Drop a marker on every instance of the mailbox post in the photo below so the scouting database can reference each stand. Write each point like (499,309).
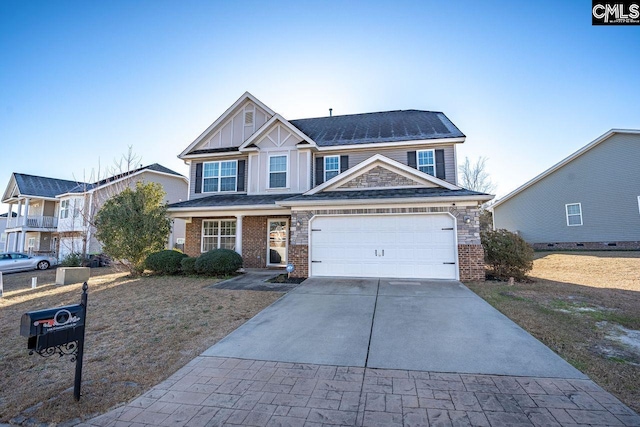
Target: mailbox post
(58,330)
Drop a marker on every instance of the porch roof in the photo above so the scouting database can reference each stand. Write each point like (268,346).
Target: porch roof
(230,200)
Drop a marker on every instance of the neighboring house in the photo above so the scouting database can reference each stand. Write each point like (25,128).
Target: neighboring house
(3,225)
(356,195)
(54,215)
(590,200)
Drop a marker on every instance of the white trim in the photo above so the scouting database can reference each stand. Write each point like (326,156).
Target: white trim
(403,201)
(219,177)
(218,236)
(455,232)
(324,162)
(223,117)
(287,171)
(371,145)
(563,162)
(394,166)
(267,126)
(231,211)
(433,156)
(566,209)
(286,245)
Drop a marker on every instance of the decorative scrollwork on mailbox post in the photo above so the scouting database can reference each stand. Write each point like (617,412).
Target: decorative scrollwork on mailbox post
(58,331)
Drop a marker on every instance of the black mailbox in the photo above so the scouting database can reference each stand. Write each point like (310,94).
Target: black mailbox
(53,326)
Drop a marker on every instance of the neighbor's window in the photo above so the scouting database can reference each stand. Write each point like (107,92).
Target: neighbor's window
(64,208)
(3,237)
(218,234)
(219,176)
(574,214)
(277,171)
(31,243)
(331,167)
(427,162)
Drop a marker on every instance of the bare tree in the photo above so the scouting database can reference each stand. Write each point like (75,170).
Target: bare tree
(475,177)
(93,191)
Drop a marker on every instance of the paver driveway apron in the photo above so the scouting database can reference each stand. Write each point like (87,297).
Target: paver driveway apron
(395,324)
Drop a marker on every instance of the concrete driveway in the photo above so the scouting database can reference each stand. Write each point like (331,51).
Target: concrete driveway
(421,325)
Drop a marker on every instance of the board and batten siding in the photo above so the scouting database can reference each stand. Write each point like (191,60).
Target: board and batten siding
(605,181)
(236,130)
(400,155)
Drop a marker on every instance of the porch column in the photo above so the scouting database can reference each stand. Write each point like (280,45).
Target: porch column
(21,235)
(239,234)
(18,218)
(26,210)
(10,215)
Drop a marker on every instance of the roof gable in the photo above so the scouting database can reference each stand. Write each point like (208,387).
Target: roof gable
(199,144)
(268,127)
(37,186)
(564,162)
(378,172)
(388,126)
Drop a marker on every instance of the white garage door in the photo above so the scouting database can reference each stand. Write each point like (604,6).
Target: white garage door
(403,246)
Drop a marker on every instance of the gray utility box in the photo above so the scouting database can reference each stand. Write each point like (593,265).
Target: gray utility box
(71,275)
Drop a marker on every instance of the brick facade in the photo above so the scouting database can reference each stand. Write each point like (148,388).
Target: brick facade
(379,177)
(193,236)
(471,262)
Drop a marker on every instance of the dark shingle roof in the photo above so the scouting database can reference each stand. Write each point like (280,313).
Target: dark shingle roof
(388,126)
(82,187)
(231,200)
(41,186)
(215,150)
(396,193)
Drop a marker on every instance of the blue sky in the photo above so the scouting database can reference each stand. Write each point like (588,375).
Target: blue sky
(527,82)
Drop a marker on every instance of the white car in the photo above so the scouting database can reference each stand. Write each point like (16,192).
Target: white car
(15,261)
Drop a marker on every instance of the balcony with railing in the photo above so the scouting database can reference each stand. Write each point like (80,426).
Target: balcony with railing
(33,222)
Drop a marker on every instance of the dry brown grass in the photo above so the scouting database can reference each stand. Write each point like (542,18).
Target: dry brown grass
(139,331)
(573,301)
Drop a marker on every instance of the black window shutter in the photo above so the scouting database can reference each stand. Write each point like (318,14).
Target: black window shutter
(344,163)
(240,178)
(440,172)
(411,159)
(198,177)
(319,170)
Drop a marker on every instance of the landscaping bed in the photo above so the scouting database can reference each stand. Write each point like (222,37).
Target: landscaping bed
(139,332)
(586,307)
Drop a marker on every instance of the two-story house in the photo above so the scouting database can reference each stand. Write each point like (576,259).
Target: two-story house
(364,195)
(49,215)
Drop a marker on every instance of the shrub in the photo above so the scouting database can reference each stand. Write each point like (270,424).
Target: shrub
(188,265)
(165,262)
(507,254)
(74,259)
(218,262)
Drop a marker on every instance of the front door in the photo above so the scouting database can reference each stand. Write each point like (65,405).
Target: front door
(278,235)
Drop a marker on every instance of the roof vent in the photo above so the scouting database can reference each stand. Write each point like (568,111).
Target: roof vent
(248,117)
(330,112)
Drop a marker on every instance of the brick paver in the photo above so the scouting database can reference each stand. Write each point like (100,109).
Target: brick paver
(215,391)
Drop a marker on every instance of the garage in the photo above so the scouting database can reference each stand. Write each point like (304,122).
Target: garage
(400,246)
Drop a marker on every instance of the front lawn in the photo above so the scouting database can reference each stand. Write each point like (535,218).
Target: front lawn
(586,307)
(139,331)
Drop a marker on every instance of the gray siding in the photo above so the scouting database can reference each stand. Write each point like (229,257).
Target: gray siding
(399,155)
(605,180)
(192,175)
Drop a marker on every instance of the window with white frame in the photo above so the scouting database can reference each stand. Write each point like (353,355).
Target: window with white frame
(426,160)
(31,244)
(218,234)
(574,214)
(3,237)
(278,172)
(331,167)
(65,205)
(219,176)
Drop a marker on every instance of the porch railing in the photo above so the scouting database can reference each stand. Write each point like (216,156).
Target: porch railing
(33,222)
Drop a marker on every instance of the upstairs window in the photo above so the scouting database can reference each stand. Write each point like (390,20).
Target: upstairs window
(65,205)
(278,172)
(426,162)
(574,214)
(331,167)
(219,176)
